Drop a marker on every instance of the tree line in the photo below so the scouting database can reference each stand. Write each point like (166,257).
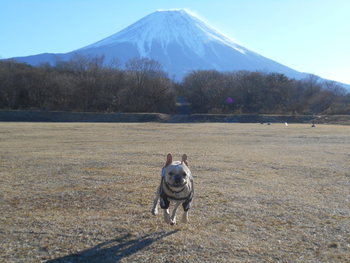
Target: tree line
(87,84)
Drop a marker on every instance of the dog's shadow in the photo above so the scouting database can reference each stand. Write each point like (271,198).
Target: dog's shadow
(114,250)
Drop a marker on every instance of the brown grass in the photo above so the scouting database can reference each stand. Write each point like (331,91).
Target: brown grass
(83,193)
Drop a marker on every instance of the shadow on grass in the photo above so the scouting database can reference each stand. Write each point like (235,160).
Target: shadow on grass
(114,250)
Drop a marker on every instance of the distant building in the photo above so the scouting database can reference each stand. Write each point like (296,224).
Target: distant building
(182,105)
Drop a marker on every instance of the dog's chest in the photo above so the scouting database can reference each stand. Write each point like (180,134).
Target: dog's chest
(177,195)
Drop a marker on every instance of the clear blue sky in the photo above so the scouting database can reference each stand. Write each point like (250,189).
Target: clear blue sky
(307,35)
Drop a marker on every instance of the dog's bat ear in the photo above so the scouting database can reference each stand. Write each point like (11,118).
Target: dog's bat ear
(169,160)
(184,159)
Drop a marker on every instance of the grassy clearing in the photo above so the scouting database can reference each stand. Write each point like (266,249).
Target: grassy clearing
(83,193)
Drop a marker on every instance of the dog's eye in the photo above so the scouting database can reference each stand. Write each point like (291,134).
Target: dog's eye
(184,174)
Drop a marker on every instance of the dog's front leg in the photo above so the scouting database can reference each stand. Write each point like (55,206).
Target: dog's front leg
(173,216)
(167,218)
(155,203)
(185,217)
(155,206)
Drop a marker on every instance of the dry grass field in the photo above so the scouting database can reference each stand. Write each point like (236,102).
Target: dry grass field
(82,192)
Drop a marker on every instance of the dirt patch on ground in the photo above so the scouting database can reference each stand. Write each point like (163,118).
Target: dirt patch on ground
(82,192)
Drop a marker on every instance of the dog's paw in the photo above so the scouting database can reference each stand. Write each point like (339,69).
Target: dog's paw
(154,212)
(167,219)
(173,222)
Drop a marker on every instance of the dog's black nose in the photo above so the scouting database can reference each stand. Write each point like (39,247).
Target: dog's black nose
(177,178)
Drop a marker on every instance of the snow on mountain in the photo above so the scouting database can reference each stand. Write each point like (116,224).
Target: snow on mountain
(168,27)
(180,41)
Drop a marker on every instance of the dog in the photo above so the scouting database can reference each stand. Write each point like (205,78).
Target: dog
(176,186)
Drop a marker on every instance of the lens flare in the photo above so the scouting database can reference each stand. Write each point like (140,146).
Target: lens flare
(229,100)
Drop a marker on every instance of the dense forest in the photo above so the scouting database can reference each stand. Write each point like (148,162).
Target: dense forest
(87,84)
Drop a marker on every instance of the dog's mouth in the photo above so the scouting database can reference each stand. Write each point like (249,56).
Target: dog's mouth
(178,185)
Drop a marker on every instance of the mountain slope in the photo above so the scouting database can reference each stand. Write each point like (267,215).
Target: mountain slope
(180,42)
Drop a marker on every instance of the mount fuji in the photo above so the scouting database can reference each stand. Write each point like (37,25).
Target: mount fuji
(179,41)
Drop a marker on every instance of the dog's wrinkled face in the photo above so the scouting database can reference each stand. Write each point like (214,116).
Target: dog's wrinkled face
(177,174)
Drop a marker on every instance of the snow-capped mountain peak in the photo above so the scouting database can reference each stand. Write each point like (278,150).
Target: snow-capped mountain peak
(167,27)
(180,41)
